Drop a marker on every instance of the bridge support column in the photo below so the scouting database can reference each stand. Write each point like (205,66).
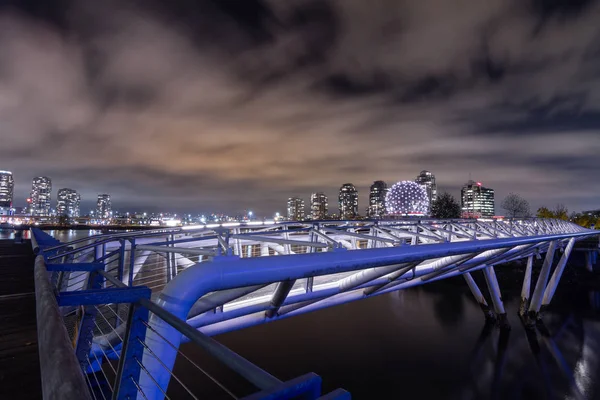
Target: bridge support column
(492,284)
(588,261)
(540,286)
(526,290)
(551,288)
(489,315)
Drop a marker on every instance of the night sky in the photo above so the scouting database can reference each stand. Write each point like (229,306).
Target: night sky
(230,105)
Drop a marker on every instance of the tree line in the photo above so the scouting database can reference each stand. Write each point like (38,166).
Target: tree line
(446,206)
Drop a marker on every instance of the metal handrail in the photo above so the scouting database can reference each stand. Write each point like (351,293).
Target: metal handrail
(61,373)
(232,273)
(148,232)
(388,222)
(255,375)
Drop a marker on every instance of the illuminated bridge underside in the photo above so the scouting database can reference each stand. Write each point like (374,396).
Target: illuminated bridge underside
(261,273)
(227,277)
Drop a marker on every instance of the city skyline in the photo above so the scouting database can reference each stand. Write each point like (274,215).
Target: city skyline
(92,201)
(230,119)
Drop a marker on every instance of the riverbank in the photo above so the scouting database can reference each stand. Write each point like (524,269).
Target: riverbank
(81,227)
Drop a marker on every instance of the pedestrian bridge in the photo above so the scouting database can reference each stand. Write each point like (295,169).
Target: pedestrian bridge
(187,284)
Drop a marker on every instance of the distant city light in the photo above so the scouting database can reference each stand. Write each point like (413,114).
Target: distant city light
(172,222)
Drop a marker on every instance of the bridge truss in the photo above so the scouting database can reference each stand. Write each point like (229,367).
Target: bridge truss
(224,277)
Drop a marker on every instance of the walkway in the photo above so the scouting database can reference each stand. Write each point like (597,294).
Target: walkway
(19,359)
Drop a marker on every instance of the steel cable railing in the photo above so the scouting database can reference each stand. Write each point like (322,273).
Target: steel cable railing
(129,274)
(189,360)
(100,373)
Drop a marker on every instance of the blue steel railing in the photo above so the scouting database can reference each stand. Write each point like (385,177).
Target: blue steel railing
(100,303)
(238,287)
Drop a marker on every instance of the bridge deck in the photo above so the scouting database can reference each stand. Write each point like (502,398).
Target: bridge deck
(19,359)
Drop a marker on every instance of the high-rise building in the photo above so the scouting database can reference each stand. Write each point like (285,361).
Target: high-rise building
(295,209)
(7,186)
(427,180)
(377,194)
(348,201)
(103,206)
(477,201)
(67,203)
(41,191)
(318,206)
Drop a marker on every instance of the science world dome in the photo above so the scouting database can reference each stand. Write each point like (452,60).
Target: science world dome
(407,198)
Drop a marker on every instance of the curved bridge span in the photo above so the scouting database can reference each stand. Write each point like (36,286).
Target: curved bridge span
(219,278)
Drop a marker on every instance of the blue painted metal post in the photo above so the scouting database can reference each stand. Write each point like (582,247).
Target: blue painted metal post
(128,370)
(173,256)
(120,273)
(305,387)
(97,253)
(86,326)
(131,262)
(68,259)
(168,260)
(121,266)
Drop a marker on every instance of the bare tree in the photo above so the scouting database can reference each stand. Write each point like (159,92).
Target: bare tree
(515,206)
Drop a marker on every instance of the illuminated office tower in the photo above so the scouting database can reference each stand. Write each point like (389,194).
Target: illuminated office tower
(41,191)
(67,203)
(348,201)
(103,206)
(295,209)
(7,187)
(427,180)
(377,194)
(318,206)
(477,201)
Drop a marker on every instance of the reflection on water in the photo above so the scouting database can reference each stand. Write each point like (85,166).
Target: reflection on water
(427,342)
(67,235)
(64,235)
(10,234)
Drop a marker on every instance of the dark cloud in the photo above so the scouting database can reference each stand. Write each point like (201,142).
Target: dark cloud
(229,105)
(540,120)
